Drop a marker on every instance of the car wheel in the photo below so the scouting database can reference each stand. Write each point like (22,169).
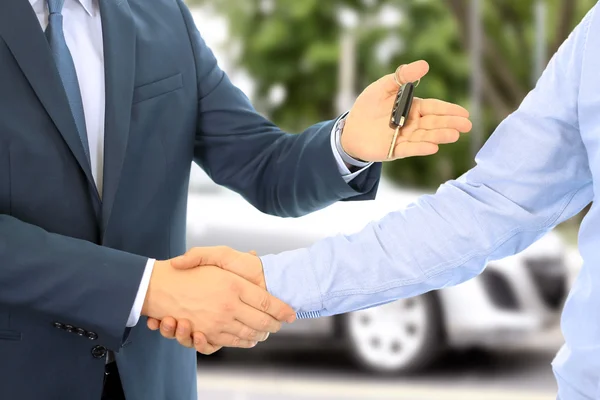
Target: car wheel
(402,337)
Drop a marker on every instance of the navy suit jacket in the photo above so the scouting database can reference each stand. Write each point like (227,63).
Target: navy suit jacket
(71,263)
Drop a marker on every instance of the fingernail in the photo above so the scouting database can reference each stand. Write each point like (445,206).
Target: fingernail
(253,344)
(197,342)
(168,328)
(180,331)
(291,319)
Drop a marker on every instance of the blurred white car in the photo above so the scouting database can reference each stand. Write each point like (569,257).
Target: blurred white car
(513,298)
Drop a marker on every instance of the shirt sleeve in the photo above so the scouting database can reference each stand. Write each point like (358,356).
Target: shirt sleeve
(136,310)
(341,157)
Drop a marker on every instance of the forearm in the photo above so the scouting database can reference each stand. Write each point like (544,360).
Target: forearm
(279,173)
(435,243)
(67,279)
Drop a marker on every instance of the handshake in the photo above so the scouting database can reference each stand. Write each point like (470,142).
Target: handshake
(223,303)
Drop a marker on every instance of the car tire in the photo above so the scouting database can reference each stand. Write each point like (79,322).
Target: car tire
(403,337)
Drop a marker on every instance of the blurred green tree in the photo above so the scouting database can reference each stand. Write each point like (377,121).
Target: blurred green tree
(294,46)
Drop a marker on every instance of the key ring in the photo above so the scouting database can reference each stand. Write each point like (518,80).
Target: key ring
(397,73)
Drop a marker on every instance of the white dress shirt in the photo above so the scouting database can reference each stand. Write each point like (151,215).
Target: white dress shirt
(83,33)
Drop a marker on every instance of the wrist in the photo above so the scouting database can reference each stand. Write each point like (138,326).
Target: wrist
(156,279)
(350,160)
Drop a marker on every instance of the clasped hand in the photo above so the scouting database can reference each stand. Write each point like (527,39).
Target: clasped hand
(222,308)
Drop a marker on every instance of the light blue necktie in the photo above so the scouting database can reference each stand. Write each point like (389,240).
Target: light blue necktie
(66,68)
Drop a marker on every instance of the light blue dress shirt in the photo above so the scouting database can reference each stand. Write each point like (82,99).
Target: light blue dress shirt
(537,170)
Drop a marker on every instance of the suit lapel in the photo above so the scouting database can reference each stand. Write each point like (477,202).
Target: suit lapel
(21,30)
(119,63)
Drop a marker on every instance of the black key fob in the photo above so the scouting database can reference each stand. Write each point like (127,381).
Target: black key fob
(402,105)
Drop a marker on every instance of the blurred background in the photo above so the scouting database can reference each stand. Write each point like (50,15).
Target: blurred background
(304,61)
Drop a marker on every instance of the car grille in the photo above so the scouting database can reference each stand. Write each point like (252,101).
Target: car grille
(550,278)
(499,290)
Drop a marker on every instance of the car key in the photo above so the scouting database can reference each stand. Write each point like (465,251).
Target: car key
(400,112)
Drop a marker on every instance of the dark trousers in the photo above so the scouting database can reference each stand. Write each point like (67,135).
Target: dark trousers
(113,390)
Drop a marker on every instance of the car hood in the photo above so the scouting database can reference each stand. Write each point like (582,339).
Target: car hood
(216,207)
(227,208)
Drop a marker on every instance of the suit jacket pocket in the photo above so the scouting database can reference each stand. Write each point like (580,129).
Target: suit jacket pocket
(10,335)
(157,88)
(6,333)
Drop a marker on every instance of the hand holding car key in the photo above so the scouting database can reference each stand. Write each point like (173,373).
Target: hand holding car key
(419,126)
(428,123)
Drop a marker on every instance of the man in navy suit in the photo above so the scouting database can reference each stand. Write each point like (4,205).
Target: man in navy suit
(104,105)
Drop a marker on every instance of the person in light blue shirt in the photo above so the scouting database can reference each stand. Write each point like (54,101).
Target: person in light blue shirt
(539,168)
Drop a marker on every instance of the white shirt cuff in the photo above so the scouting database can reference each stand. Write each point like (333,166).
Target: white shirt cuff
(138,304)
(337,149)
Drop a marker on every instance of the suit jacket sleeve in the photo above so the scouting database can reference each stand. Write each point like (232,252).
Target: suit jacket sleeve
(279,173)
(68,280)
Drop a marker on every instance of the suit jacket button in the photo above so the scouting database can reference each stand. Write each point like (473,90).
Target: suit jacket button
(69,328)
(80,332)
(99,351)
(58,325)
(92,335)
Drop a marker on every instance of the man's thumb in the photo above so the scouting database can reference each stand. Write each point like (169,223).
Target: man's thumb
(200,256)
(405,73)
